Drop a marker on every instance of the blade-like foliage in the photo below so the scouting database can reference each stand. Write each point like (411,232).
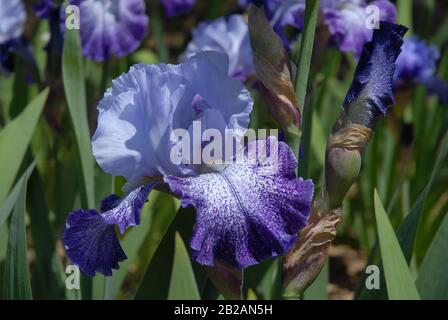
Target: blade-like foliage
(182,284)
(399,281)
(16,277)
(75,92)
(14,141)
(432,280)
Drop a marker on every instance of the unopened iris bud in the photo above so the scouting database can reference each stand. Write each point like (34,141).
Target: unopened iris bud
(368,98)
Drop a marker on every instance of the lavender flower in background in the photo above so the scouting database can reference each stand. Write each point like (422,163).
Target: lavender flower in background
(417,64)
(228,35)
(12,24)
(246,212)
(12,20)
(346,20)
(177,7)
(111,28)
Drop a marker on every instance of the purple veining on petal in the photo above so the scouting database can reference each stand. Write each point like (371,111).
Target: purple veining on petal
(90,238)
(250,211)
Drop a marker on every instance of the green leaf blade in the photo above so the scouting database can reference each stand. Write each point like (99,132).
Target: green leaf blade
(16,275)
(183,284)
(14,141)
(399,281)
(432,280)
(75,92)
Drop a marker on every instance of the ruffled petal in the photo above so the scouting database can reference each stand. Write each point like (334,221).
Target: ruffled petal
(90,238)
(250,211)
(205,75)
(139,113)
(347,27)
(371,93)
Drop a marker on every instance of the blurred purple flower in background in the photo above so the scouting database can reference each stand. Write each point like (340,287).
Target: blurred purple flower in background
(111,28)
(228,35)
(12,24)
(346,20)
(246,212)
(12,20)
(417,64)
(177,7)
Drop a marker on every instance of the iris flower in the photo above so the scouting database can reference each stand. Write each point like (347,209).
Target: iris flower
(247,211)
(177,7)
(228,35)
(346,19)
(111,28)
(417,65)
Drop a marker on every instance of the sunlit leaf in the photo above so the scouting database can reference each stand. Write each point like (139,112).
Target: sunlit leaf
(14,141)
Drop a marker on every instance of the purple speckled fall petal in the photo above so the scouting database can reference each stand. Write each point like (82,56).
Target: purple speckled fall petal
(90,238)
(250,211)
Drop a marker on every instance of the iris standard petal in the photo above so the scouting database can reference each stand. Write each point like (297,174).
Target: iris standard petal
(228,35)
(139,113)
(12,19)
(90,238)
(111,27)
(371,93)
(250,211)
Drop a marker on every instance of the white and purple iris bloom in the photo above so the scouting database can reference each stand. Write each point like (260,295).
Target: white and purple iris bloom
(247,211)
(229,35)
(111,28)
(346,19)
(177,7)
(417,65)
